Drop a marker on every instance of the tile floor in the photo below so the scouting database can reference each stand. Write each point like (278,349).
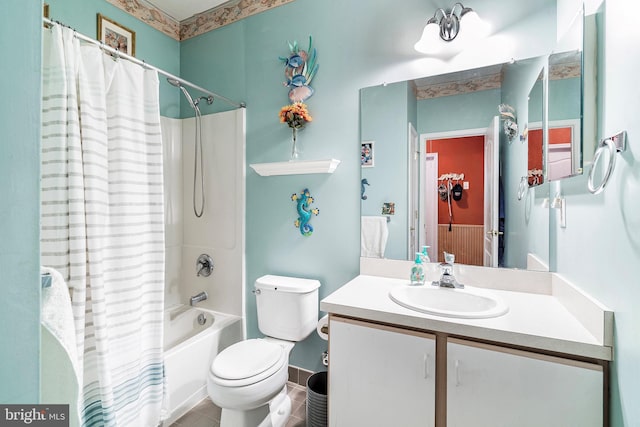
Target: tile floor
(206,414)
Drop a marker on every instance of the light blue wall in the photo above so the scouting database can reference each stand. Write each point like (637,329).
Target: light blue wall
(449,113)
(564,100)
(20,194)
(218,64)
(384,120)
(600,248)
(152,46)
(563,96)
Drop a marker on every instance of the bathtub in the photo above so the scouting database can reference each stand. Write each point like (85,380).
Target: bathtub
(189,349)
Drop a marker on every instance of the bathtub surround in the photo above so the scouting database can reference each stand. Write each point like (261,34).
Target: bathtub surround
(173,219)
(220,232)
(102,222)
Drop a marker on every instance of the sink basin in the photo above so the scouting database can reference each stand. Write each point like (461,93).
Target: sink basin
(467,303)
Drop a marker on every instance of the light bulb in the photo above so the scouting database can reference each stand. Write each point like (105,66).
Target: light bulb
(430,41)
(473,26)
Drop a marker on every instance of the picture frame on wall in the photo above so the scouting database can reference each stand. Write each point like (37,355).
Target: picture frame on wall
(116,36)
(366,154)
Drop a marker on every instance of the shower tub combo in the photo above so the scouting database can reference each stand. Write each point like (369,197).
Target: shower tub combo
(192,338)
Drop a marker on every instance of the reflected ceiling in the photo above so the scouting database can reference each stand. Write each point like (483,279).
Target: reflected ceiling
(183,9)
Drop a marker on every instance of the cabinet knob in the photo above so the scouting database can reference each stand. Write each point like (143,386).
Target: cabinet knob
(425,365)
(457,373)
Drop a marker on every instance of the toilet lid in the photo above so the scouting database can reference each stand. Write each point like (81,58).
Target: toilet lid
(246,359)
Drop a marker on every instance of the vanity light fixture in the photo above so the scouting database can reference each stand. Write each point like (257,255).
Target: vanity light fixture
(446,26)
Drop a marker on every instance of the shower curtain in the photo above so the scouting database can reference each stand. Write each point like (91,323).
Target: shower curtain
(102,223)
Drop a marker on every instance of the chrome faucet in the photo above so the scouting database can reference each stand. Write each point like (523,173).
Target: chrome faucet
(447,280)
(204,265)
(197,298)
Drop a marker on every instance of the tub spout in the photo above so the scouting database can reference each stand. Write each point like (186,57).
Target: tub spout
(197,298)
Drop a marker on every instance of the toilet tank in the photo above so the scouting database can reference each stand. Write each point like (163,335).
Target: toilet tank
(287,307)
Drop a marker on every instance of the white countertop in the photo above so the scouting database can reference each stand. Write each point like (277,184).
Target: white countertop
(534,320)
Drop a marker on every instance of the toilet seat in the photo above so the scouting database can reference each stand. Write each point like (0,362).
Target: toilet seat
(247,362)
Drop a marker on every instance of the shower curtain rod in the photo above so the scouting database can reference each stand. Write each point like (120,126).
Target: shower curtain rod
(122,55)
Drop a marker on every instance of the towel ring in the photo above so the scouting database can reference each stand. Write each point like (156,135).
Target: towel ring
(615,144)
(611,146)
(522,187)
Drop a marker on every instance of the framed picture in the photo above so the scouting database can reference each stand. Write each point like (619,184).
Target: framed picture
(116,36)
(366,154)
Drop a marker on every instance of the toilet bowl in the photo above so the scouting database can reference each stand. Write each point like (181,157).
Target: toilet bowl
(248,379)
(248,374)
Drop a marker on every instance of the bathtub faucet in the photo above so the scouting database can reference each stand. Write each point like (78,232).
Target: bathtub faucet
(197,298)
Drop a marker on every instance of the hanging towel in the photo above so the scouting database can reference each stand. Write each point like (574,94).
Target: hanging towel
(373,236)
(57,314)
(60,379)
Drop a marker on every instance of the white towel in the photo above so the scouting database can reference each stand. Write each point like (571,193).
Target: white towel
(60,380)
(57,315)
(373,236)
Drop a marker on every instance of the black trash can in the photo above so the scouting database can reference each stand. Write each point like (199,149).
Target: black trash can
(317,400)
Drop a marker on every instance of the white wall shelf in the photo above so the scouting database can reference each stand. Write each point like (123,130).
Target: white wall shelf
(295,167)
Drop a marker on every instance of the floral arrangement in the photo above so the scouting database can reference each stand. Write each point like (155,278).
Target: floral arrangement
(295,115)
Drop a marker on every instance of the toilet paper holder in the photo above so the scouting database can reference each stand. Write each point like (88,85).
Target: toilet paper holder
(322,328)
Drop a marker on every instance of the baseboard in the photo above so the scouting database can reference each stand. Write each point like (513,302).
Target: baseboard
(299,376)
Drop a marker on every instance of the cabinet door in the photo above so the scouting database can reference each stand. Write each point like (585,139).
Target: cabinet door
(380,376)
(495,387)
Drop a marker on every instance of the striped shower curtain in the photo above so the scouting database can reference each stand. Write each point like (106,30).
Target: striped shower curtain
(102,223)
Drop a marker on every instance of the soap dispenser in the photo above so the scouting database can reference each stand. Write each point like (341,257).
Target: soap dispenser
(424,255)
(417,271)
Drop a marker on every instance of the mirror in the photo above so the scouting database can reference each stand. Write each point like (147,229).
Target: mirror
(397,122)
(453,113)
(564,145)
(534,134)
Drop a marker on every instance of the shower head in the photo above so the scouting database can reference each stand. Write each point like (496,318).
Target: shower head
(173,82)
(177,84)
(193,104)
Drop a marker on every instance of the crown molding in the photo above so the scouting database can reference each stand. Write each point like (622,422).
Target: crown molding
(225,14)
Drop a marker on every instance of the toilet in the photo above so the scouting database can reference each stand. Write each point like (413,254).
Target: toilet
(248,379)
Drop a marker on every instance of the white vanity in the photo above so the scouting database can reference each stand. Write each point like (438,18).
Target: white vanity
(542,363)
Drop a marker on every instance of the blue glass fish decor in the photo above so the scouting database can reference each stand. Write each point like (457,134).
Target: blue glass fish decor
(304,213)
(300,68)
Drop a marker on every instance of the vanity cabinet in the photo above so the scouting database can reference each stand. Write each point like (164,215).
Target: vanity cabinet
(489,385)
(380,375)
